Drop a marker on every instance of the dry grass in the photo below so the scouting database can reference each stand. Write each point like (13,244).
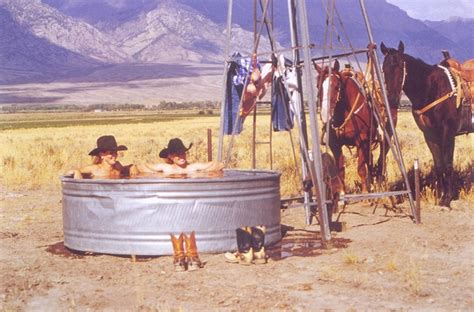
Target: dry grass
(350,258)
(35,158)
(391,266)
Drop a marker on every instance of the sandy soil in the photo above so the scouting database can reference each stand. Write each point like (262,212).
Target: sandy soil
(380,262)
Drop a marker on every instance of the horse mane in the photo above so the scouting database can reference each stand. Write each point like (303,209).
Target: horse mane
(420,65)
(425,83)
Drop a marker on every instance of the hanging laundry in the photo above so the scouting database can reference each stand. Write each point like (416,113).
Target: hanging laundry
(243,72)
(282,110)
(237,73)
(252,87)
(282,115)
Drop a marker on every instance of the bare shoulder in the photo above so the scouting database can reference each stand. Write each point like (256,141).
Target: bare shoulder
(207,166)
(88,169)
(159,167)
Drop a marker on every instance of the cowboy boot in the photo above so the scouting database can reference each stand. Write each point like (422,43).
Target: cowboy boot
(179,260)
(244,254)
(192,256)
(258,242)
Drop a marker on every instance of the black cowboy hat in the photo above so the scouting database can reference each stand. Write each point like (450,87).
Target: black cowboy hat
(107,143)
(174,146)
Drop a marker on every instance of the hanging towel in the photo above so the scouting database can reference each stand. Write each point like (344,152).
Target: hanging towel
(282,114)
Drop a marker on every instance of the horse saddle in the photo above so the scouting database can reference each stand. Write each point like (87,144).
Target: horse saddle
(464,75)
(466,69)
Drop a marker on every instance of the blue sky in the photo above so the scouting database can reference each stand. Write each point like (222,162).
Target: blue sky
(436,10)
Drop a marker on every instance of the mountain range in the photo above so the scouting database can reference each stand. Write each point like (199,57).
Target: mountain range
(50,40)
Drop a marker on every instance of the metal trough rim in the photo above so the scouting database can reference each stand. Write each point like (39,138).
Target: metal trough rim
(269,174)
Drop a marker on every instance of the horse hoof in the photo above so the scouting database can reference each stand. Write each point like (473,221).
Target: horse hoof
(445,202)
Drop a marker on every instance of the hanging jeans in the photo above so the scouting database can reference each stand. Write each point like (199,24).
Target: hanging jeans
(232,101)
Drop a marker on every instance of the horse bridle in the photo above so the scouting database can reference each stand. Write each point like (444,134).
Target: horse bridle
(354,109)
(404,75)
(338,77)
(338,94)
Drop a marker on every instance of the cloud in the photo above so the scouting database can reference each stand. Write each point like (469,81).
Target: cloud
(436,10)
(117,3)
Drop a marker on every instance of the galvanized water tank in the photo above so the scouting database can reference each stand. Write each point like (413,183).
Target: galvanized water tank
(136,216)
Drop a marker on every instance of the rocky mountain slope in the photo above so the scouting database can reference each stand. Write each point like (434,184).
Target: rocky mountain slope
(26,57)
(49,23)
(458,30)
(174,32)
(51,37)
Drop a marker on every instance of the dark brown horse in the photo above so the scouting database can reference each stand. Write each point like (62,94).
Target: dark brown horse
(350,118)
(431,92)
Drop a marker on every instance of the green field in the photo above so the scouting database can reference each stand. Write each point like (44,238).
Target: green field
(67,119)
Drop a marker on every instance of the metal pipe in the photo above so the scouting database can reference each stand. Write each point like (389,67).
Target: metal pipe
(417,191)
(271,145)
(209,145)
(224,84)
(330,57)
(259,34)
(254,121)
(339,55)
(254,138)
(378,71)
(239,117)
(266,22)
(300,115)
(316,148)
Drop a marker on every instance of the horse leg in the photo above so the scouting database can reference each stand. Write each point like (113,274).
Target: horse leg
(363,151)
(436,152)
(448,148)
(339,158)
(381,162)
(385,148)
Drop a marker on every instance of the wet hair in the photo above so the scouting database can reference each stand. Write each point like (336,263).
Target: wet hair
(96,160)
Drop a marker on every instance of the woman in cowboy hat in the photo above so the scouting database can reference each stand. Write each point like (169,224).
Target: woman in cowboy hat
(176,162)
(104,162)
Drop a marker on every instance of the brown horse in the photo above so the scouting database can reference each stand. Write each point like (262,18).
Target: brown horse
(431,92)
(350,118)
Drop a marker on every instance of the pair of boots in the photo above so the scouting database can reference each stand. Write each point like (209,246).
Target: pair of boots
(185,260)
(250,243)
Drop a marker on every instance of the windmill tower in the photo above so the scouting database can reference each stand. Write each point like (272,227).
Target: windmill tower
(309,143)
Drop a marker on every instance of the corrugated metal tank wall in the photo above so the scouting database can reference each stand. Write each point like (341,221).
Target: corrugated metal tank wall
(136,216)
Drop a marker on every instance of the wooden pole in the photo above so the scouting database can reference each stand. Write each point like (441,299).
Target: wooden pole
(209,144)
(417,193)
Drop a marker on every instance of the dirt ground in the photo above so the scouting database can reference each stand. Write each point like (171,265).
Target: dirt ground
(380,262)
